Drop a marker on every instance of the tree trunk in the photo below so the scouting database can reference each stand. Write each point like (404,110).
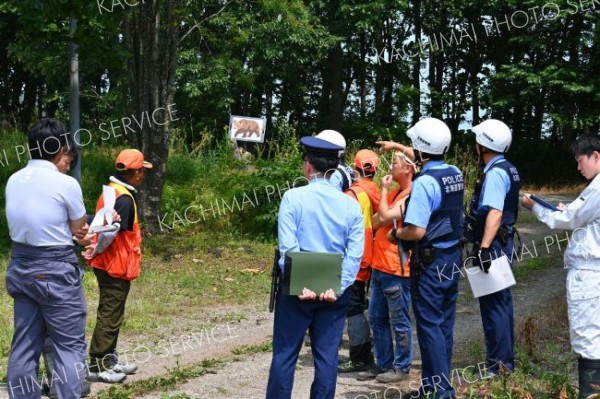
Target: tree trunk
(30,96)
(416,68)
(74,109)
(538,117)
(152,37)
(362,76)
(336,104)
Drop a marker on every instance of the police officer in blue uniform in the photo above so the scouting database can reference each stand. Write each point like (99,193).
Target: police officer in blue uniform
(315,218)
(490,227)
(432,226)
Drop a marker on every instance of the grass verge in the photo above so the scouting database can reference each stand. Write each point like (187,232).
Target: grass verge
(173,377)
(545,367)
(179,375)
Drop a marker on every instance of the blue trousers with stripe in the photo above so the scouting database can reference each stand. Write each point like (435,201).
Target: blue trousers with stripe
(435,308)
(498,320)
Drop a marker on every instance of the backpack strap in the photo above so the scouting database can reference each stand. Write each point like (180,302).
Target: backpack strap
(353,193)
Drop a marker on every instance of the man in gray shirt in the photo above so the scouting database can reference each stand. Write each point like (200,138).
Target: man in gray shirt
(44,208)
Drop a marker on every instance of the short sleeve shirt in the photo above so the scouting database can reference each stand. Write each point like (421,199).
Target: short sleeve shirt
(40,202)
(495,186)
(425,197)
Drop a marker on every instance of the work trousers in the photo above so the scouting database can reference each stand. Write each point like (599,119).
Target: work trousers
(110,315)
(389,311)
(45,283)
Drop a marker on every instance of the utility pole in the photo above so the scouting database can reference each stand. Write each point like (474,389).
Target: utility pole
(74,111)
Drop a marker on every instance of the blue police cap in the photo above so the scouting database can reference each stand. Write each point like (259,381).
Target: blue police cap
(318,145)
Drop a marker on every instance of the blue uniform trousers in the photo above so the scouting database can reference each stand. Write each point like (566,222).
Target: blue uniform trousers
(435,308)
(325,322)
(498,319)
(389,306)
(48,300)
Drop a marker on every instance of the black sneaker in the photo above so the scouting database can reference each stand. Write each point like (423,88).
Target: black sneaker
(369,374)
(351,367)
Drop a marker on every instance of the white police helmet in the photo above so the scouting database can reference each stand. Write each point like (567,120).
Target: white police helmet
(334,138)
(493,134)
(430,135)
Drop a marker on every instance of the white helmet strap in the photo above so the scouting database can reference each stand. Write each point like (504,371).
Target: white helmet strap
(419,158)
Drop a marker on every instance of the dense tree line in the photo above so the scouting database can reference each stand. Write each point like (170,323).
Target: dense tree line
(367,68)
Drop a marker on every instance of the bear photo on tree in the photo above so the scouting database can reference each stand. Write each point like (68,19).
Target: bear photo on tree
(247,129)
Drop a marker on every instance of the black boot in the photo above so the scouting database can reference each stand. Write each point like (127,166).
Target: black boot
(589,374)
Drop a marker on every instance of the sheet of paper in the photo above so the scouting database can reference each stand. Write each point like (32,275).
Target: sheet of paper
(98,220)
(105,214)
(110,196)
(500,276)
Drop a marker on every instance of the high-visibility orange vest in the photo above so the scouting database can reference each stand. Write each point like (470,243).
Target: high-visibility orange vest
(123,257)
(358,192)
(372,190)
(385,254)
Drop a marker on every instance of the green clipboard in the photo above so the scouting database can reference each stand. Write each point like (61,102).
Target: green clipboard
(317,271)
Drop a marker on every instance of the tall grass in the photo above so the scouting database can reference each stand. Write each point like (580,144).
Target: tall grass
(227,196)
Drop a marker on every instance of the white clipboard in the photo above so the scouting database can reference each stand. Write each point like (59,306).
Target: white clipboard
(499,277)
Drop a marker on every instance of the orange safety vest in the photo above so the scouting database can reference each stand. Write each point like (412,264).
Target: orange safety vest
(123,257)
(372,190)
(363,196)
(385,254)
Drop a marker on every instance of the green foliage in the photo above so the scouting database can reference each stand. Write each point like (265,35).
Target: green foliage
(275,59)
(526,266)
(546,379)
(253,349)
(160,383)
(37,40)
(464,157)
(228,195)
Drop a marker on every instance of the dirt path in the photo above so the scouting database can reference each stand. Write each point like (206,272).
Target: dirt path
(246,376)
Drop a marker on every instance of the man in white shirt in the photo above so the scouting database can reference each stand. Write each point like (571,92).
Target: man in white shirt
(44,208)
(582,258)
